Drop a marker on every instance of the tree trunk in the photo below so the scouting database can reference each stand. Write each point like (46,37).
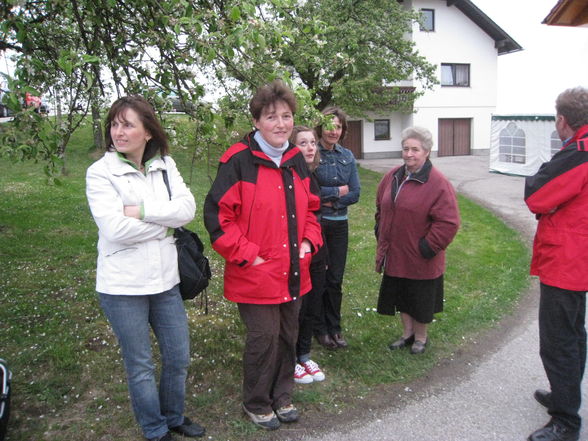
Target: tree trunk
(97,126)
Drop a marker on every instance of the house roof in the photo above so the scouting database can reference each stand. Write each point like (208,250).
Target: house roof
(503,42)
(568,13)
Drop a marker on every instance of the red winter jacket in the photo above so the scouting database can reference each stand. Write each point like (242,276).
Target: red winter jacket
(414,229)
(558,194)
(255,208)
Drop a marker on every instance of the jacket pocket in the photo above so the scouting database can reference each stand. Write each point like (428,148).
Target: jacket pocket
(264,281)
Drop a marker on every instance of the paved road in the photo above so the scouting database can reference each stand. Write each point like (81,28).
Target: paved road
(491,398)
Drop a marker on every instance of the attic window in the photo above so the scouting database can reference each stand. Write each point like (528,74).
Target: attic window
(456,75)
(427,20)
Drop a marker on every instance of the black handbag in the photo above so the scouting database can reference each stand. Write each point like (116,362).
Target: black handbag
(5,380)
(193,265)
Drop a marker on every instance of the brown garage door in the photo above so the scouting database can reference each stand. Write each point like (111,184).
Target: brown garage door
(455,136)
(353,138)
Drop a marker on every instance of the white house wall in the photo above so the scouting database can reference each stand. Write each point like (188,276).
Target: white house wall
(456,39)
(380,149)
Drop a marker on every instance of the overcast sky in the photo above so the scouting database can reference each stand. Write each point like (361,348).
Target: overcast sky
(553,57)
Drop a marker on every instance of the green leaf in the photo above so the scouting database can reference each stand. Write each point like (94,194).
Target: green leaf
(92,59)
(235,14)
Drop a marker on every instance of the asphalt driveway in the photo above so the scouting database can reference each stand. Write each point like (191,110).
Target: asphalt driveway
(486,392)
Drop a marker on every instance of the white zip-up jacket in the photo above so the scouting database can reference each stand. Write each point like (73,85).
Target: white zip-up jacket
(137,257)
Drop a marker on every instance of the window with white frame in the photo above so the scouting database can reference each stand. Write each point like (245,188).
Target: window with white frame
(512,145)
(455,74)
(427,20)
(381,129)
(555,143)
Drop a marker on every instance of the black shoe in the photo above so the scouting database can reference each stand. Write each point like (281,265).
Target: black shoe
(401,343)
(339,340)
(555,431)
(418,347)
(543,397)
(326,341)
(166,437)
(188,428)
(287,414)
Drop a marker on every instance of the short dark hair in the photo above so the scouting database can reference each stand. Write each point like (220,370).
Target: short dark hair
(339,113)
(146,113)
(572,104)
(270,94)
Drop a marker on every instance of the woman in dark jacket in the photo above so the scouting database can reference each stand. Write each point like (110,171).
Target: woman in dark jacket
(260,214)
(339,181)
(308,371)
(416,219)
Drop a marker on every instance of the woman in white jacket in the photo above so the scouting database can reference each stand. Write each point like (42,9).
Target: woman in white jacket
(137,274)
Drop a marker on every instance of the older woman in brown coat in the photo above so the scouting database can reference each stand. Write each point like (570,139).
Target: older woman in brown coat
(416,219)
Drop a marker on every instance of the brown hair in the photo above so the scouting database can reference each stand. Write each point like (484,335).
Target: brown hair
(270,94)
(158,141)
(317,156)
(339,113)
(572,104)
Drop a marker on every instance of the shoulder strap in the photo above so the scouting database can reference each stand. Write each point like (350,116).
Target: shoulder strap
(166,180)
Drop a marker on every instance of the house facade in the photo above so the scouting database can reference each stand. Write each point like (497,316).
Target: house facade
(464,44)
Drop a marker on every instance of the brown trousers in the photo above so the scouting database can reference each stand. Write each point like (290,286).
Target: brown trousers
(270,355)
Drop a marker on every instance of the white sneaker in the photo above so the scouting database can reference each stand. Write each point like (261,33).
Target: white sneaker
(301,375)
(313,370)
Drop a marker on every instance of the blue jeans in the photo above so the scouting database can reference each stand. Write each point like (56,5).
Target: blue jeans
(131,316)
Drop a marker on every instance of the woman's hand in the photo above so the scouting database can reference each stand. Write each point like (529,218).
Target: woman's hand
(343,190)
(305,248)
(132,211)
(258,260)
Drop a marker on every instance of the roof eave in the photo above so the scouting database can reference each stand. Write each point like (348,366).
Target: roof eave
(504,43)
(568,13)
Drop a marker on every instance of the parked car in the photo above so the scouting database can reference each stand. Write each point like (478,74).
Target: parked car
(177,105)
(4,111)
(36,102)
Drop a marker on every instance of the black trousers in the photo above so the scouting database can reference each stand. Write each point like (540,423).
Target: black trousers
(311,309)
(270,355)
(562,341)
(336,235)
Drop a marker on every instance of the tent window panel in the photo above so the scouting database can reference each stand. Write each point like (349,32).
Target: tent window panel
(555,143)
(512,146)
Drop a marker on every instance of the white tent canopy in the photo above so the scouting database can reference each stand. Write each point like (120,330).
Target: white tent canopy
(519,144)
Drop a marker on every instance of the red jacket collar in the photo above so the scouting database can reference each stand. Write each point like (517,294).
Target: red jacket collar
(581,133)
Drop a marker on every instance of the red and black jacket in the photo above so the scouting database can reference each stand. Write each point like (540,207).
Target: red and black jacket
(558,194)
(255,208)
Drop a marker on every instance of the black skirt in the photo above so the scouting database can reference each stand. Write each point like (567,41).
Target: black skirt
(418,298)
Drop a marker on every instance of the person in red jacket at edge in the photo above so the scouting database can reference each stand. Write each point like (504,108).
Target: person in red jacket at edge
(558,195)
(262,219)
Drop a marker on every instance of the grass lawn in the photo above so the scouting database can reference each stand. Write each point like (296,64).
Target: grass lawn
(69,382)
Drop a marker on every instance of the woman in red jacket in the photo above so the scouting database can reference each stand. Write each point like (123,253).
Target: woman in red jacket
(416,219)
(260,214)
